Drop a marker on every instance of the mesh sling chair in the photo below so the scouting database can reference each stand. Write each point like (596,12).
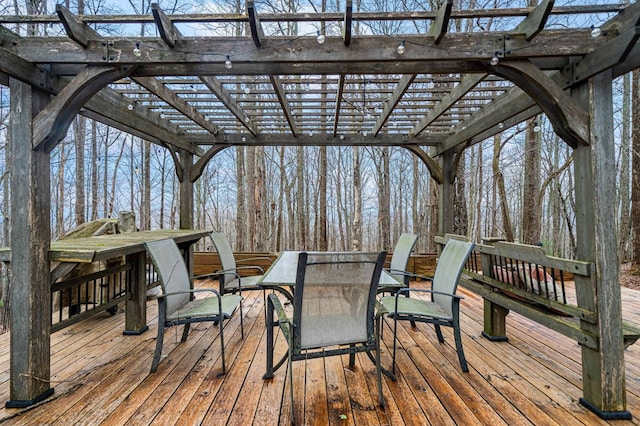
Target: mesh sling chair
(230,279)
(444,307)
(400,259)
(334,307)
(176,304)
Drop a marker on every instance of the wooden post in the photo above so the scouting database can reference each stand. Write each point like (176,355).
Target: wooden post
(603,370)
(495,316)
(30,239)
(136,306)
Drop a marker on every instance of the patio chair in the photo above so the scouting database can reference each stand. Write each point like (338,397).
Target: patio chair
(444,307)
(399,260)
(334,311)
(230,279)
(177,305)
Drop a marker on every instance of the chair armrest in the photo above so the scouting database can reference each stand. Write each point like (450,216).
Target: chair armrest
(424,290)
(195,290)
(250,267)
(218,273)
(407,274)
(279,309)
(381,310)
(251,259)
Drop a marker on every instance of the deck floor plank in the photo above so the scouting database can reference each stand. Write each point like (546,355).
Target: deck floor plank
(102,377)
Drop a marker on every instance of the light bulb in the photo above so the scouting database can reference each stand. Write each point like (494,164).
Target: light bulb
(341,137)
(401,48)
(136,50)
(494,60)
(365,133)
(244,139)
(595,32)
(500,125)
(130,107)
(247,90)
(536,128)
(320,39)
(227,64)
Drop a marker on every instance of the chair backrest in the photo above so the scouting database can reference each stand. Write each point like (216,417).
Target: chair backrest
(334,300)
(227,260)
(448,271)
(400,257)
(172,271)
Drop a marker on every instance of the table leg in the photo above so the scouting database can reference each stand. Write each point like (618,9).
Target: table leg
(136,304)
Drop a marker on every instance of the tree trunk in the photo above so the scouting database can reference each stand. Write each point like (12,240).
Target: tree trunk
(624,185)
(460,216)
(356,243)
(322,244)
(94,170)
(80,136)
(384,199)
(531,203)
(301,220)
(251,204)
(259,200)
(241,207)
(635,178)
(502,193)
(145,222)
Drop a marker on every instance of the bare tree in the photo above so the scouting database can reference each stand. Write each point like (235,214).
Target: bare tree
(531,203)
(635,178)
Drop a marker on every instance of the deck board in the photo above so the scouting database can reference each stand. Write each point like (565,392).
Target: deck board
(102,377)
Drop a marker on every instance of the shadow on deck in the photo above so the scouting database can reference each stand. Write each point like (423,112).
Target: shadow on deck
(102,377)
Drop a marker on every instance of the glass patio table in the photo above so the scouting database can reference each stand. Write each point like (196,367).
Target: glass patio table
(281,276)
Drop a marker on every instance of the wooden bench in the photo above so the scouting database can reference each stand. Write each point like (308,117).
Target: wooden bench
(523,279)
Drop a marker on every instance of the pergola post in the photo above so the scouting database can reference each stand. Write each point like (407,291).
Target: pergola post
(30,238)
(603,370)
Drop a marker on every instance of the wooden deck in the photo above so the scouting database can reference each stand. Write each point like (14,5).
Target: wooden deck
(102,377)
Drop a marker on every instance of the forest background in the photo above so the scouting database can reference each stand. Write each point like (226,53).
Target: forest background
(517,185)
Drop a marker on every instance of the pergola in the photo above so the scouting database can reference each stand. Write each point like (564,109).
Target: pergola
(434,94)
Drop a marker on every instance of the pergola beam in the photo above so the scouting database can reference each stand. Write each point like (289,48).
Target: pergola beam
(340,91)
(257,32)
(366,54)
(286,109)
(223,96)
(317,139)
(536,20)
(76,29)
(466,84)
(166,28)
(156,87)
(440,25)
(348,22)
(389,105)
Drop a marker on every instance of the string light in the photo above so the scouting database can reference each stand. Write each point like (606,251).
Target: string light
(401,48)
(320,38)
(536,126)
(495,59)
(136,50)
(247,90)
(595,31)
(227,64)
(130,107)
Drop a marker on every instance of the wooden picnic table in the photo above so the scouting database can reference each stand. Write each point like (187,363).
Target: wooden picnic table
(70,253)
